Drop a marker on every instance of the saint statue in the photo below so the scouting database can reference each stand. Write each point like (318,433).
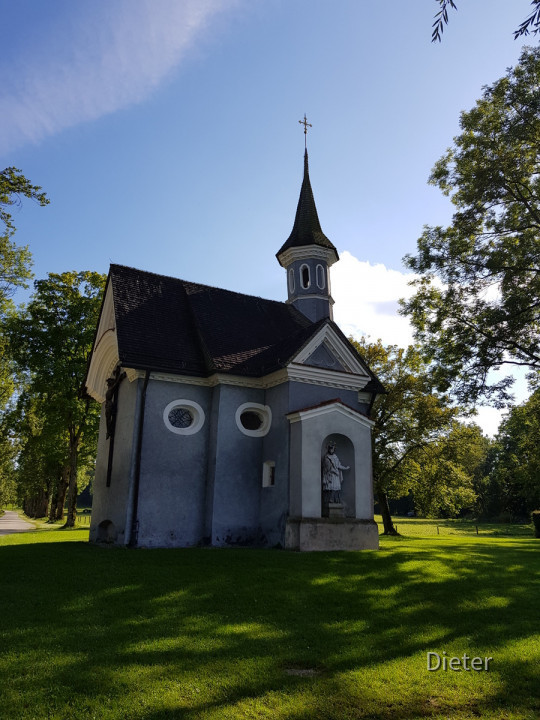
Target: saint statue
(332,475)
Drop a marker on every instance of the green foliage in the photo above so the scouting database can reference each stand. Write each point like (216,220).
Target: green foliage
(409,418)
(516,461)
(535,518)
(14,260)
(50,342)
(476,305)
(448,471)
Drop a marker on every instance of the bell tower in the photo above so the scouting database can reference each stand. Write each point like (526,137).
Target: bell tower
(307,255)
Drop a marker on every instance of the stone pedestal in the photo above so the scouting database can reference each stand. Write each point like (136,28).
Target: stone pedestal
(332,533)
(336,510)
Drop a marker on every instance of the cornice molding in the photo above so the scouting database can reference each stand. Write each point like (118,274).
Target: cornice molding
(307,252)
(336,407)
(326,298)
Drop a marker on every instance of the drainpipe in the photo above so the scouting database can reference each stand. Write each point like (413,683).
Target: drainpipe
(137,469)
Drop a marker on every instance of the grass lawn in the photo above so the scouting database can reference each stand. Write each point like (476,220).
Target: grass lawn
(87,632)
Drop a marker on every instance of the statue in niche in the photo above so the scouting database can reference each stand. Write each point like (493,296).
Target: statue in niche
(332,477)
(111,400)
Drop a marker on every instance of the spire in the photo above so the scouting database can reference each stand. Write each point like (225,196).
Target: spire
(307,228)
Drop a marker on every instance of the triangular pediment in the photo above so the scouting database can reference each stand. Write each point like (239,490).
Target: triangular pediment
(323,357)
(327,350)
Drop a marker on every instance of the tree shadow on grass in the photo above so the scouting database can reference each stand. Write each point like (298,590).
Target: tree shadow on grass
(200,633)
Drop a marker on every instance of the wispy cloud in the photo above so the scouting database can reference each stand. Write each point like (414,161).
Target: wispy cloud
(104,58)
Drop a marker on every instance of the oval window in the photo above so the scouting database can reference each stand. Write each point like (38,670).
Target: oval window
(304,275)
(320,277)
(253,419)
(184,417)
(291,280)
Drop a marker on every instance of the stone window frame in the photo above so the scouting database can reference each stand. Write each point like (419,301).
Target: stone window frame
(196,411)
(263,411)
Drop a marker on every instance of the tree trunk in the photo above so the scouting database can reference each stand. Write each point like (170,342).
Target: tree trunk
(62,493)
(72,490)
(388,525)
(56,511)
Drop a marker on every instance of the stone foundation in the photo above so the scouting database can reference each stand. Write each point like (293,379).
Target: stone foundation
(333,533)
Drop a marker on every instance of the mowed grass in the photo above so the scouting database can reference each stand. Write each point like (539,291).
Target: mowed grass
(88,632)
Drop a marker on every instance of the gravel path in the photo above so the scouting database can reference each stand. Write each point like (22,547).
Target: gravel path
(10,522)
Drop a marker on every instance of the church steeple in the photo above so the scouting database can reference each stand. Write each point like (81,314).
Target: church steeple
(307,228)
(307,255)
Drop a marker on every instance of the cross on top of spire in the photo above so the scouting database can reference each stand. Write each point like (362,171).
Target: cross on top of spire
(305,123)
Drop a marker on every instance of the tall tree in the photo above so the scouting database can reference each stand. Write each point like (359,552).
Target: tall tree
(449,470)
(516,466)
(477,300)
(14,260)
(409,418)
(50,341)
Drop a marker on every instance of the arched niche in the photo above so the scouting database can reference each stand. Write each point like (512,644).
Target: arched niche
(345,453)
(107,532)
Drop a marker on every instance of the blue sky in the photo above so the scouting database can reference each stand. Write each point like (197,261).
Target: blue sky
(166,134)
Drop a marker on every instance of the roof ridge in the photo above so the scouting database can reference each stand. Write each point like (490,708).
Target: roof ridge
(197,284)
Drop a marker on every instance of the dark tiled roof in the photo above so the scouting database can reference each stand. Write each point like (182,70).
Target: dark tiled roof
(170,325)
(182,327)
(307,228)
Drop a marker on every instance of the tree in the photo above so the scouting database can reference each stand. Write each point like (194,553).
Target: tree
(14,260)
(410,417)
(477,299)
(516,467)
(530,24)
(50,342)
(449,471)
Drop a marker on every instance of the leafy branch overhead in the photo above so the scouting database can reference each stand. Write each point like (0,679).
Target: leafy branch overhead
(14,186)
(477,300)
(15,260)
(531,24)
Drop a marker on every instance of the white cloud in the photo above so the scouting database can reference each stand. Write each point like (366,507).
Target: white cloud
(98,63)
(366,303)
(366,300)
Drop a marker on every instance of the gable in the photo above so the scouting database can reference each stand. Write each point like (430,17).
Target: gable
(105,351)
(328,350)
(323,357)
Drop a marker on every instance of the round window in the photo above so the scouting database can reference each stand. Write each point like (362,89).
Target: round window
(180,417)
(184,417)
(253,419)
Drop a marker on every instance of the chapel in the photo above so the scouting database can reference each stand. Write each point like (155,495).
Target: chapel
(228,419)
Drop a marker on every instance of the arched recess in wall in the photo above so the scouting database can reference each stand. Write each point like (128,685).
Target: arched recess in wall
(106,532)
(346,454)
